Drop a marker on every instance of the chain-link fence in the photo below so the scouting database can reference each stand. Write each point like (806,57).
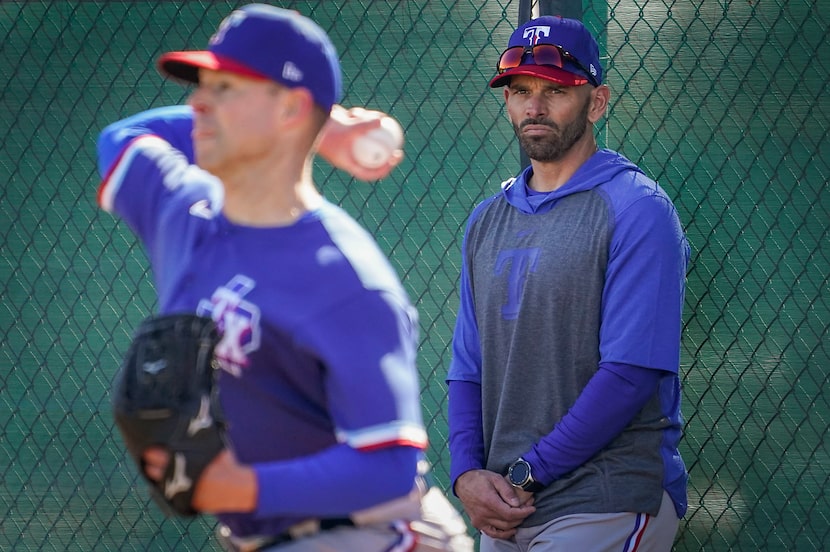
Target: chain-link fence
(724,102)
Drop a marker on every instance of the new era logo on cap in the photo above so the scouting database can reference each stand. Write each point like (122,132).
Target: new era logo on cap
(291,72)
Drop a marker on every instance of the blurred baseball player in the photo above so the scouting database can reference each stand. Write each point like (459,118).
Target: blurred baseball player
(318,338)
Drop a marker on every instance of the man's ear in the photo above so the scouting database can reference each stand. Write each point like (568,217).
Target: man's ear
(600,96)
(296,106)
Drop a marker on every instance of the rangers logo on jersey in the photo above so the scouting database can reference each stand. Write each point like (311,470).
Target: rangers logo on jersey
(237,321)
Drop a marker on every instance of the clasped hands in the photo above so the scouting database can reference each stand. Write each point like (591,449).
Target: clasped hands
(495,507)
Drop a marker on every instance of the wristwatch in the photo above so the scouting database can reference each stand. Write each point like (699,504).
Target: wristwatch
(520,476)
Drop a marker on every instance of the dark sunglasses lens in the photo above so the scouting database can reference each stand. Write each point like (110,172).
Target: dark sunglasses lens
(512,57)
(548,54)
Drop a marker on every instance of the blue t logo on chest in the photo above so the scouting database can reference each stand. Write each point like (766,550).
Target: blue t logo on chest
(517,263)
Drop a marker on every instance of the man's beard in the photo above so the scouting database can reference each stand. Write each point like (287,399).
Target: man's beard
(554,146)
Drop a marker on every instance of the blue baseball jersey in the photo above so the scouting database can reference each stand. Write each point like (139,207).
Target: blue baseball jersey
(318,337)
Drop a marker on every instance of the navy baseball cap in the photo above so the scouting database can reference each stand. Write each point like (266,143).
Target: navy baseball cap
(572,59)
(266,42)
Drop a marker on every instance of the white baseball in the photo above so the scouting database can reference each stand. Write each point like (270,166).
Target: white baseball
(373,149)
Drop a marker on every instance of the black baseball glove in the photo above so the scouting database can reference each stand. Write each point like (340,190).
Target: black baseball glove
(165,395)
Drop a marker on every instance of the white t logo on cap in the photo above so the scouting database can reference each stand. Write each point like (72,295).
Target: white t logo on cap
(534,33)
(233,20)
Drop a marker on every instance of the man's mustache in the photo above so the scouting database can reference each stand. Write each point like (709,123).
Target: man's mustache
(538,121)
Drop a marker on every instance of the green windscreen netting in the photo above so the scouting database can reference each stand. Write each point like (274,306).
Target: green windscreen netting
(725,103)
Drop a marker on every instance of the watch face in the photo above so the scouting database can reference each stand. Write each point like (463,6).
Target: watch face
(519,473)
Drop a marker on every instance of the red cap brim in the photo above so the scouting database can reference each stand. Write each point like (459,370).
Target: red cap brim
(185,65)
(547,72)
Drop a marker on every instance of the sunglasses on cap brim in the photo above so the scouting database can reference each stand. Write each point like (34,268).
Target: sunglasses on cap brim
(543,54)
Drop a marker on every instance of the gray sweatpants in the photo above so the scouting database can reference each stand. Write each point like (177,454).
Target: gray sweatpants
(619,532)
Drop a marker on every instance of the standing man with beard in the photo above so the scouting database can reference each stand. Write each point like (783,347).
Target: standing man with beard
(564,393)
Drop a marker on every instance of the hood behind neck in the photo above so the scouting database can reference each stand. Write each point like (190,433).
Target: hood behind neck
(601,167)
